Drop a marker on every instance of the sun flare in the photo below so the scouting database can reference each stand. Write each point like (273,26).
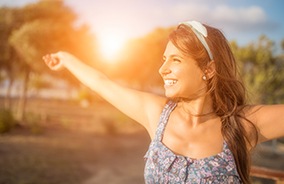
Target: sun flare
(110,45)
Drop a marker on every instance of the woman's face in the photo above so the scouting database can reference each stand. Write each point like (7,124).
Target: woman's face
(181,74)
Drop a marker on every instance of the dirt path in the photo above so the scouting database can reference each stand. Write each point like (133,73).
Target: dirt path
(57,157)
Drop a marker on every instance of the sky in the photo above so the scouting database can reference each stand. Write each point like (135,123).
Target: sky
(241,20)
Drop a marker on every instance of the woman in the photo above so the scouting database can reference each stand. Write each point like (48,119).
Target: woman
(202,131)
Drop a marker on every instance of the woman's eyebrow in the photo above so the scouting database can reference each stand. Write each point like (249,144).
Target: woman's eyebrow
(172,56)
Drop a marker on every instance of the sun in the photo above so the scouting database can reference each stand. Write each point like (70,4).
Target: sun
(111,43)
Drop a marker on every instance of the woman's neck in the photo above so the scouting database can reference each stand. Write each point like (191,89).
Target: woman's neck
(197,110)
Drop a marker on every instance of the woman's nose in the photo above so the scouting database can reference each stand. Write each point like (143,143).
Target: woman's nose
(164,69)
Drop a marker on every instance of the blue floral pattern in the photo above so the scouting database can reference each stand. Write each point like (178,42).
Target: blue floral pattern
(164,166)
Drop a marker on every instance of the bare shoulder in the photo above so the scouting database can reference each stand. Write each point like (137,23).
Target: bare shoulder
(154,109)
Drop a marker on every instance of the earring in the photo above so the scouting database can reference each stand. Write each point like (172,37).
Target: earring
(204,77)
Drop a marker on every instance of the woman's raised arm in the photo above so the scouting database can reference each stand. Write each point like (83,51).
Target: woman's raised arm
(269,119)
(145,108)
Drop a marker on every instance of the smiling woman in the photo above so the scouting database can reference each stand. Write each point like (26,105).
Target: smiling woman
(201,129)
(110,45)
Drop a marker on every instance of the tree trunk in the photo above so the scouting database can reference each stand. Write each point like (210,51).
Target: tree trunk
(23,96)
(8,98)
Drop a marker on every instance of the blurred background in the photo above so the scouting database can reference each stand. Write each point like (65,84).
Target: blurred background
(55,130)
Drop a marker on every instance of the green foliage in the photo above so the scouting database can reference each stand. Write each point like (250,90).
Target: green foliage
(8,57)
(6,121)
(4,34)
(261,70)
(48,10)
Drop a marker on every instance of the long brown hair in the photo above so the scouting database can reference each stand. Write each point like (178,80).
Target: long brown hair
(226,89)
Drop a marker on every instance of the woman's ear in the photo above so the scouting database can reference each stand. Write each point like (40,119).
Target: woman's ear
(210,69)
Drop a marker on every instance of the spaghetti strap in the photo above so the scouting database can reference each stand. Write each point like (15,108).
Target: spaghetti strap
(169,107)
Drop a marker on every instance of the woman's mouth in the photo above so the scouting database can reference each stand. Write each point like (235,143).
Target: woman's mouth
(170,82)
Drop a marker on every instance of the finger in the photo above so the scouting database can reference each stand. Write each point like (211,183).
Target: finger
(47,58)
(54,61)
(44,58)
(50,62)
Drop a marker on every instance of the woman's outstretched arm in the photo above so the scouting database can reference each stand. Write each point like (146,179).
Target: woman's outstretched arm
(269,120)
(145,108)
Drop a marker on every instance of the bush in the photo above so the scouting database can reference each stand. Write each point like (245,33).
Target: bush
(6,120)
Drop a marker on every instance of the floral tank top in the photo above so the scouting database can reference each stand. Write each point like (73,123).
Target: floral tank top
(163,166)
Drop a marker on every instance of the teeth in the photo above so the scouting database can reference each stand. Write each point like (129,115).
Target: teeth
(170,82)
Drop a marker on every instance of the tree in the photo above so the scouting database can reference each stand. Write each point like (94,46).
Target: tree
(8,58)
(261,70)
(45,27)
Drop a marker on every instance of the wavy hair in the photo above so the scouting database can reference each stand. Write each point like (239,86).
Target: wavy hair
(226,90)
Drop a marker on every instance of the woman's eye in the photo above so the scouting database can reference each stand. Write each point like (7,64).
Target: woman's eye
(176,60)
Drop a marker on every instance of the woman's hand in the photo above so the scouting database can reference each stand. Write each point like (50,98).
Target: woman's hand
(53,62)
(56,61)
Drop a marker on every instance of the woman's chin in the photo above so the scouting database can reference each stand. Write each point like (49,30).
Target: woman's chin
(170,95)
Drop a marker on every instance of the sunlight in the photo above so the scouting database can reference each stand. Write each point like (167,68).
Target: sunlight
(111,44)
